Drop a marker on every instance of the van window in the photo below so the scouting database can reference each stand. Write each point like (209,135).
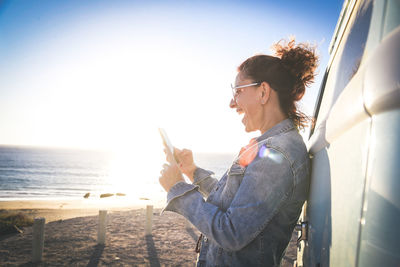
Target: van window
(355,44)
(392,16)
(348,56)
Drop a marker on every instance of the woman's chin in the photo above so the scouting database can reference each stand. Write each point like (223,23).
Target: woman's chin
(247,128)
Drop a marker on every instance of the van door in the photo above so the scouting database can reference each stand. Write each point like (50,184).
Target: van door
(339,147)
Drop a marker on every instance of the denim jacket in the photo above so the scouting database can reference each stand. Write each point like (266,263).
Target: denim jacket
(248,216)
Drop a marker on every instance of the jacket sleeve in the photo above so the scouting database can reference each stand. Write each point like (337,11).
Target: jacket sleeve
(203,183)
(204,180)
(267,184)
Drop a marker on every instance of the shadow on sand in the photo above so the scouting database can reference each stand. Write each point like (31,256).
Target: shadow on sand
(6,236)
(152,252)
(95,258)
(31,264)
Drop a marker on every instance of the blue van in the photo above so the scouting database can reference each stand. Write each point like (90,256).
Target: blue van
(352,216)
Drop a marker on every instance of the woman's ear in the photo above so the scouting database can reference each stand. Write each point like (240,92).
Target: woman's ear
(265,92)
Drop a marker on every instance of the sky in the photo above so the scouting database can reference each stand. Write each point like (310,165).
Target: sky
(107,74)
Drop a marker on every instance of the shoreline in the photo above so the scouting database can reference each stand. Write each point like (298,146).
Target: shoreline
(62,209)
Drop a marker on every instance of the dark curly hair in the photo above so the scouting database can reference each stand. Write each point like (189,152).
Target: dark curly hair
(288,73)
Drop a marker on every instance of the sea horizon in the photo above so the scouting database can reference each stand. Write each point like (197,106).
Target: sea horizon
(51,173)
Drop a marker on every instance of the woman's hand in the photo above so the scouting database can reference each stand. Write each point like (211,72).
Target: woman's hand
(170,175)
(185,162)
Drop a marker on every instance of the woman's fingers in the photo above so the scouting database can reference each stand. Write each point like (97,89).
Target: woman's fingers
(178,154)
(168,155)
(170,175)
(165,167)
(182,154)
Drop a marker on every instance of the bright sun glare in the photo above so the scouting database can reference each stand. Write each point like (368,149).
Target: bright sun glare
(108,78)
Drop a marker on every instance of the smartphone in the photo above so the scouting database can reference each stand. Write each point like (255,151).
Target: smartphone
(167,143)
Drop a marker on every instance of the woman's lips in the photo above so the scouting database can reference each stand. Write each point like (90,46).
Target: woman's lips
(243,117)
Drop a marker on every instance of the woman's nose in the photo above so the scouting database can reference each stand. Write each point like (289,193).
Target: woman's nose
(233,104)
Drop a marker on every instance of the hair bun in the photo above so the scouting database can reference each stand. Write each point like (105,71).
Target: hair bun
(300,60)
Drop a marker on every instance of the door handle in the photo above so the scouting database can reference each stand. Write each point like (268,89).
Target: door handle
(303,229)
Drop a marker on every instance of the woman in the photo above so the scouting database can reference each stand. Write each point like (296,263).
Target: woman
(249,214)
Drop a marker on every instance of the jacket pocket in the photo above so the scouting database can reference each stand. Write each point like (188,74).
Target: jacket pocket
(233,181)
(236,169)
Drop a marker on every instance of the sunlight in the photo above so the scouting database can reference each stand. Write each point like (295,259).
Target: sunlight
(113,99)
(136,166)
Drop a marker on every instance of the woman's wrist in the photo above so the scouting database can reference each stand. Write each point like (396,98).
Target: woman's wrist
(190,173)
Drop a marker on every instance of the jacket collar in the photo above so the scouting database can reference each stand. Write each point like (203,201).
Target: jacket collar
(283,126)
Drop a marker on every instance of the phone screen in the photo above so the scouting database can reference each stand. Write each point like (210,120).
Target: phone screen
(167,143)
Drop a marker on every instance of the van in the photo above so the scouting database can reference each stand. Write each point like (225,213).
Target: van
(352,215)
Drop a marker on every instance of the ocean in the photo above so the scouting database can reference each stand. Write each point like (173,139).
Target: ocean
(28,173)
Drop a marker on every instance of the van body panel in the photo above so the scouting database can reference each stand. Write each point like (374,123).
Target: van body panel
(336,197)
(380,235)
(348,109)
(317,248)
(382,84)
(381,212)
(318,139)
(353,209)
(348,161)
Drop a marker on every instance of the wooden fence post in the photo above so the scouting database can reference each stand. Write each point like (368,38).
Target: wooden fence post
(101,233)
(149,219)
(38,239)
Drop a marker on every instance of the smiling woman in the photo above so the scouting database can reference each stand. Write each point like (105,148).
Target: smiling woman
(282,81)
(248,216)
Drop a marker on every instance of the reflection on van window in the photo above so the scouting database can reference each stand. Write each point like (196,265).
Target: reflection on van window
(392,19)
(354,46)
(347,58)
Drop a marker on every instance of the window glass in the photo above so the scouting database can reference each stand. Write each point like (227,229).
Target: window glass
(392,19)
(355,44)
(348,56)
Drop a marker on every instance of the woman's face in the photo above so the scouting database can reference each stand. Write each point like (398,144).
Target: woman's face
(247,102)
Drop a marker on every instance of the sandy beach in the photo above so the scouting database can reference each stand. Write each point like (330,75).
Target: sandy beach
(59,209)
(71,236)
